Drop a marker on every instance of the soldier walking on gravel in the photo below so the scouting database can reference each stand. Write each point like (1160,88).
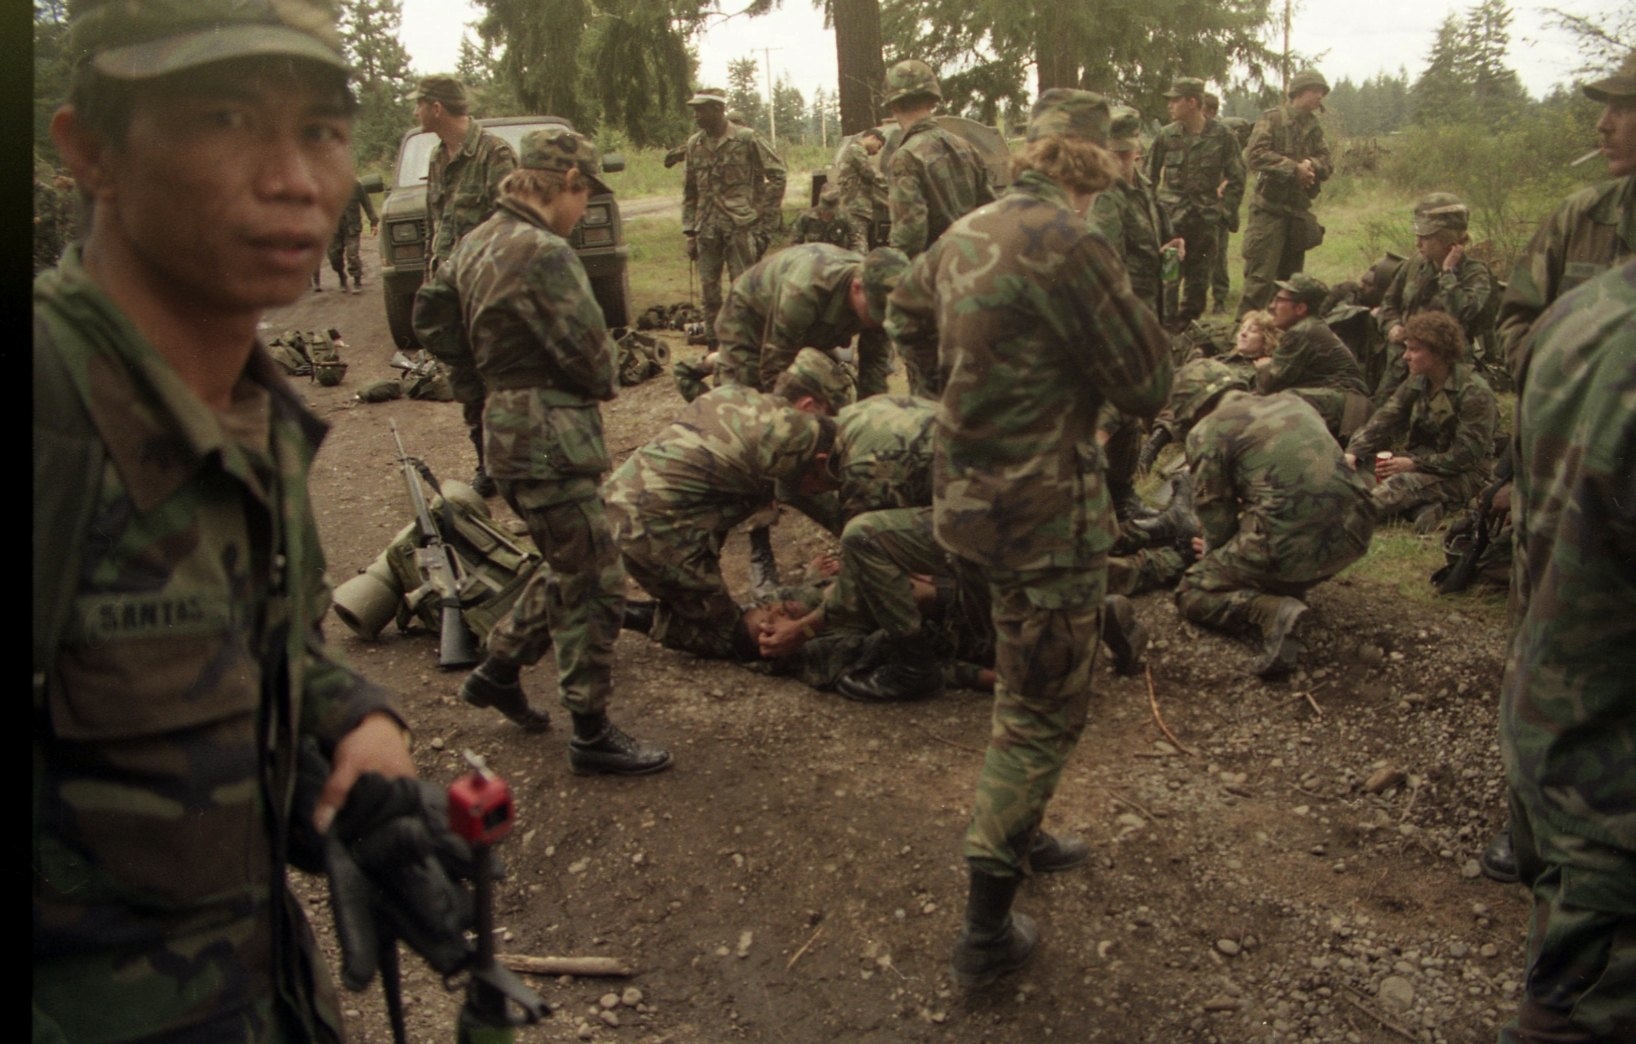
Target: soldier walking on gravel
(732,195)
(934,177)
(346,246)
(1291,160)
(513,302)
(462,189)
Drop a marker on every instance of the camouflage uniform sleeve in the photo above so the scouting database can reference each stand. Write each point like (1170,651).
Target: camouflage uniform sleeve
(1105,218)
(1387,423)
(690,192)
(1214,499)
(907,203)
(1390,312)
(1260,155)
(437,319)
(1476,415)
(1463,292)
(1288,366)
(1233,171)
(369,208)
(1156,159)
(795,310)
(502,160)
(771,195)
(911,324)
(1322,165)
(1131,365)
(1533,286)
(573,329)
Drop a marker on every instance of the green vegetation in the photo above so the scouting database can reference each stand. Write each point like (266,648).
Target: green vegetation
(1399,560)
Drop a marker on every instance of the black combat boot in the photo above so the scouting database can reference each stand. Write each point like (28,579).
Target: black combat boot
(495,684)
(1127,505)
(600,748)
(907,669)
(639,616)
(481,483)
(342,277)
(1177,521)
(995,941)
(1282,647)
(763,565)
(1499,859)
(1149,456)
(1124,635)
(1049,854)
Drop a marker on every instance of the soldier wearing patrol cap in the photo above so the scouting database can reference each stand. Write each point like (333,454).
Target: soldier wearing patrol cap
(1311,360)
(1198,175)
(934,177)
(178,663)
(732,195)
(514,303)
(1290,159)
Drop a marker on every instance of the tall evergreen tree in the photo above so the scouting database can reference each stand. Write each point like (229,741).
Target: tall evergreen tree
(744,94)
(382,80)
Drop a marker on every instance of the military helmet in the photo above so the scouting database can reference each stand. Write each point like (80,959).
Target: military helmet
(1197,385)
(910,78)
(1306,79)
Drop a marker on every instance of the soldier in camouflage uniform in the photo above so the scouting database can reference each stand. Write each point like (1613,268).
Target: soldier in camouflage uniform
(462,189)
(1593,230)
(1029,343)
(1444,413)
(673,502)
(1220,282)
(177,657)
(862,185)
(1567,715)
(345,248)
(1127,214)
(825,223)
(514,302)
(1311,361)
(1198,174)
(809,296)
(934,177)
(1440,277)
(1280,508)
(1291,160)
(732,194)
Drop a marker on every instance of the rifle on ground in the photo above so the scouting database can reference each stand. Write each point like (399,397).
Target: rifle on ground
(457,646)
(1455,578)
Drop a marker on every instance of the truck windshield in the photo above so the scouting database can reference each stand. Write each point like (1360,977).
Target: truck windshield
(417,150)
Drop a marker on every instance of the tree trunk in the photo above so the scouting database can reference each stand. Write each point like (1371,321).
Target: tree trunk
(1054,58)
(858,62)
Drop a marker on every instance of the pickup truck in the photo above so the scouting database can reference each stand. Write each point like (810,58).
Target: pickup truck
(599,238)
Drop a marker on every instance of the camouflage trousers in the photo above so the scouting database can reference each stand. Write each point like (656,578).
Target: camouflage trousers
(1344,412)
(860,219)
(1408,490)
(576,598)
(874,363)
(1198,267)
(1273,249)
(1150,569)
(1581,968)
(1234,592)
(1220,283)
(880,550)
(681,569)
(1047,631)
(348,245)
(733,249)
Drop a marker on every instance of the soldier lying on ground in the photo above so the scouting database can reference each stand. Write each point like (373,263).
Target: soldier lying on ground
(1443,415)
(673,502)
(1280,510)
(1257,337)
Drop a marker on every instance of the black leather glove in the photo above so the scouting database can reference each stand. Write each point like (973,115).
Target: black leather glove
(393,869)
(1150,449)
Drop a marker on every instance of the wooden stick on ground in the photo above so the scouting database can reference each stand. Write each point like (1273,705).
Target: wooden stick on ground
(1153,701)
(1378,1017)
(804,947)
(595,966)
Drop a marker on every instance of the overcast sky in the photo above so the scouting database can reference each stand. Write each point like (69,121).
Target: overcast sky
(1351,38)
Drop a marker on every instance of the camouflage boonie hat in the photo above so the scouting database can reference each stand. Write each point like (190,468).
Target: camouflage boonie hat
(1305,79)
(1305,288)
(1199,382)
(908,79)
(1186,87)
(560,149)
(1070,113)
(882,269)
(444,89)
(823,376)
(1124,129)
(708,96)
(130,40)
(1439,211)
(1621,86)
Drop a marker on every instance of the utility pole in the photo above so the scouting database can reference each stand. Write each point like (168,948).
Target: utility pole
(772,99)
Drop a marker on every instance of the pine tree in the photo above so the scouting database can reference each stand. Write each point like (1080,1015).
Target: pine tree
(382,80)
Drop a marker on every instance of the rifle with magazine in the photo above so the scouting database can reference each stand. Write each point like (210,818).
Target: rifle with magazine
(457,646)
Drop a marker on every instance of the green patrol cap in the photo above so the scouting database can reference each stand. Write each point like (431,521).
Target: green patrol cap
(1124,129)
(1197,384)
(822,376)
(140,39)
(1305,288)
(1305,79)
(444,89)
(1621,86)
(562,150)
(708,96)
(882,269)
(908,79)
(1070,113)
(1440,211)
(1186,87)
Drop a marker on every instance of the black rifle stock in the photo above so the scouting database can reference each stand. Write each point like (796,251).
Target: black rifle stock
(457,646)
(1459,576)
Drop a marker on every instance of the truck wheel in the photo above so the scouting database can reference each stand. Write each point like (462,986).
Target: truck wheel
(613,293)
(400,309)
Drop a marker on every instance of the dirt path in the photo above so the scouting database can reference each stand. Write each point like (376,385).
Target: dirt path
(797,875)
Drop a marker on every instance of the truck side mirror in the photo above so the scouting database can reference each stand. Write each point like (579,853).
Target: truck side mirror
(372,183)
(613,162)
